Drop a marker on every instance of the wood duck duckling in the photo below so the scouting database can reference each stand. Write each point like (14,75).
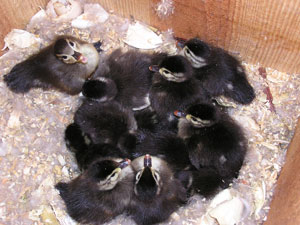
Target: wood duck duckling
(85,151)
(220,73)
(171,148)
(64,65)
(131,75)
(157,194)
(107,123)
(174,86)
(216,144)
(102,192)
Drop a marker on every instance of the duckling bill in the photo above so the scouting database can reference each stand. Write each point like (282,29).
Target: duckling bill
(63,65)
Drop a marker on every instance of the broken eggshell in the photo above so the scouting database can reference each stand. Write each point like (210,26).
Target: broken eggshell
(227,208)
(93,15)
(142,37)
(63,10)
(259,196)
(20,39)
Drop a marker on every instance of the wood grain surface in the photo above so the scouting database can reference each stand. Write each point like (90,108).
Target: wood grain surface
(285,205)
(264,31)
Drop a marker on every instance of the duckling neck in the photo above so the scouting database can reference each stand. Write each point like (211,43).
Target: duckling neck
(93,58)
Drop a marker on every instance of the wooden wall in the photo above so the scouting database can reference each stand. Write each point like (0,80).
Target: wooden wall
(264,31)
(285,205)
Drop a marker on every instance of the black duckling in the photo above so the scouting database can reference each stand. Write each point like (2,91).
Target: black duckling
(174,87)
(157,193)
(64,65)
(85,151)
(101,89)
(107,123)
(172,149)
(102,192)
(131,75)
(216,144)
(220,73)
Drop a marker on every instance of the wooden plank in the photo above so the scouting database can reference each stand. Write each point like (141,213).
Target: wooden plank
(16,14)
(285,205)
(264,31)
(139,9)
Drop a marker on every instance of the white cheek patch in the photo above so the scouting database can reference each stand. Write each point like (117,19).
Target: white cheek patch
(240,69)
(162,94)
(146,104)
(102,79)
(229,86)
(170,118)
(222,159)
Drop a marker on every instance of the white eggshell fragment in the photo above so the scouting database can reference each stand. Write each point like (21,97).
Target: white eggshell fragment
(93,14)
(229,212)
(142,37)
(64,10)
(227,208)
(20,39)
(259,196)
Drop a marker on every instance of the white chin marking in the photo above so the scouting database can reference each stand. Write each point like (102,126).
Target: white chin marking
(147,103)
(198,64)
(240,69)
(170,118)
(102,79)
(222,159)
(229,86)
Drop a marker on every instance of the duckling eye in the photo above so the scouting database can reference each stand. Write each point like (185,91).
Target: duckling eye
(72,43)
(193,119)
(114,176)
(64,57)
(187,51)
(138,176)
(156,176)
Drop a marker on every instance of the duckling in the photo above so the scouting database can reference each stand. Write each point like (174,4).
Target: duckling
(216,144)
(85,151)
(131,75)
(157,193)
(174,87)
(220,73)
(107,123)
(102,192)
(172,149)
(64,65)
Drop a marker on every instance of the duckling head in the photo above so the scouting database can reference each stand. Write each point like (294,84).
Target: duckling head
(107,173)
(148,183)
(199,115)
(71,50)
(174,68)
(197,52)
(100,89)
